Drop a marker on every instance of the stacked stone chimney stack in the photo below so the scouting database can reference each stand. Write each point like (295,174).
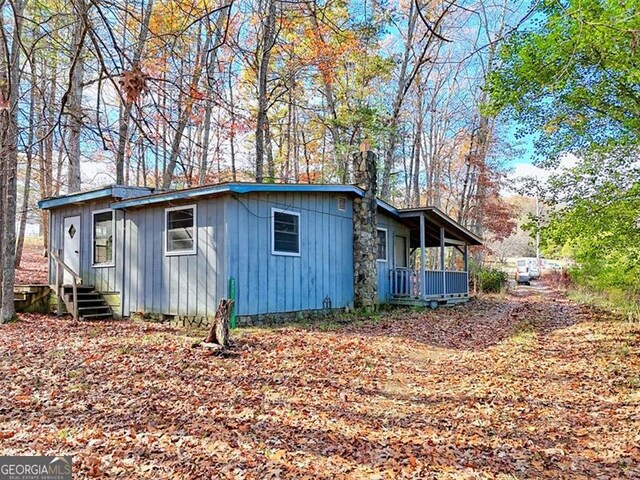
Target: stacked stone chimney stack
(365,231)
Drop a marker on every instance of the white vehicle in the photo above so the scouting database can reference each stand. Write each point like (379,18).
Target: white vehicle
(533,267)
(522,272)
(534,271)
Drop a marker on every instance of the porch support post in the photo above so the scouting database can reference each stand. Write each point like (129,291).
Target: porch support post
(466,268)
(423,280)
(466,258)
(444,273)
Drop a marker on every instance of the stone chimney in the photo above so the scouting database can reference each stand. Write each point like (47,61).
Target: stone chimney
(365,231)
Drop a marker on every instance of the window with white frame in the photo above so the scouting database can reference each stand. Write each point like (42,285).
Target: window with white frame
(382,245)
(285,232)
(102,228)
(180,228)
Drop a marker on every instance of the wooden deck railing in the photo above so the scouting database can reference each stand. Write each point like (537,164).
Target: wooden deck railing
(60,266)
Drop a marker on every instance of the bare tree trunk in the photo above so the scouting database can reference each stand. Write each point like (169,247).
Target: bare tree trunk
(184,116)
(306,156)
(296,147)
(415,175)
(212,63)
(123,130)
(263,55)
(45,164)
(330,106)
(271,166)
(408,169)
(74,124)
(164,137)
(389,155)
(287,162)
(29,154)
(10,72)
(232,135)
(415,56)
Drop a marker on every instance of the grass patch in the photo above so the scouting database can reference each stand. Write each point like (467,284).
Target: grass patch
(618,302)
(38,241)
(524,334)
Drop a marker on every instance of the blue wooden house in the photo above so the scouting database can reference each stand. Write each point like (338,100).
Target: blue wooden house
(282,248)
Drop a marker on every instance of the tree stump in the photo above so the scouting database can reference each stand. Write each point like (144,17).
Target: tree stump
(219,331)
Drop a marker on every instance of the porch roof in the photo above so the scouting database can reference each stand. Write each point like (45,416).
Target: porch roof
(455,234)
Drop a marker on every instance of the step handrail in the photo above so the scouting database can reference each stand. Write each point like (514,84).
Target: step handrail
(76,280)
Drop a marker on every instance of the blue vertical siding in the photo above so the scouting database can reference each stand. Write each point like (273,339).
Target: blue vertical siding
(104,279)
(177,284)
(234,235)
(393,228)
(269,283)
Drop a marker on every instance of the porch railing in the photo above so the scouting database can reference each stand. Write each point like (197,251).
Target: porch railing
(457,282)
(406,282)
(76,280)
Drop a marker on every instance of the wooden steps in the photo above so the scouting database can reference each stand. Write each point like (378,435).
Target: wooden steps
(31,298)
(91,304)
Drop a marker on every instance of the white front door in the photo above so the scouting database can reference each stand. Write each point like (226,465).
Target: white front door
(71,246)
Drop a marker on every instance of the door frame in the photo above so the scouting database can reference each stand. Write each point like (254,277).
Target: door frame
(64,236)
(406,251)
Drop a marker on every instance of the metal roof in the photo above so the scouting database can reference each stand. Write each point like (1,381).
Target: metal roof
(139,197)
(441,219)
(240,188)
(115,191)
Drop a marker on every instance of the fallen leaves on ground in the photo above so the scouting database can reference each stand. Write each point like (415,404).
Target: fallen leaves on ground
(33,266)
(529,386)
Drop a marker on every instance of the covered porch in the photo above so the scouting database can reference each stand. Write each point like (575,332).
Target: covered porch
(438,270)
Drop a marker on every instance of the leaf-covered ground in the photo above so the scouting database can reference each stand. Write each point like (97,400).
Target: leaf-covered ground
(531,386)
(33,267)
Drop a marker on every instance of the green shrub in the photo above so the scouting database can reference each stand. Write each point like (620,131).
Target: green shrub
(491,280)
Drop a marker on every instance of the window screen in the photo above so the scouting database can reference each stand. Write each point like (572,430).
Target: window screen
(102,238)
(382,244)
(286,233)
(180,225)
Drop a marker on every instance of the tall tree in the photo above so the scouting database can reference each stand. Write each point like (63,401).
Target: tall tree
(10,49)
(74,101)
(417,45)
(127,108)
(574,78)
(266,43)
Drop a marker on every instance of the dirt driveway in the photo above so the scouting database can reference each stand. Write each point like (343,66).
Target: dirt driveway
(524,386)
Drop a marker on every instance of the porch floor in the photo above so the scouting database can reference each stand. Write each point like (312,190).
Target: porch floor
(432,301)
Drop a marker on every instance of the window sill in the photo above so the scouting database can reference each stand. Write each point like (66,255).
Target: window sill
(285,254)
(381,260)
(103,265)
(180,253)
